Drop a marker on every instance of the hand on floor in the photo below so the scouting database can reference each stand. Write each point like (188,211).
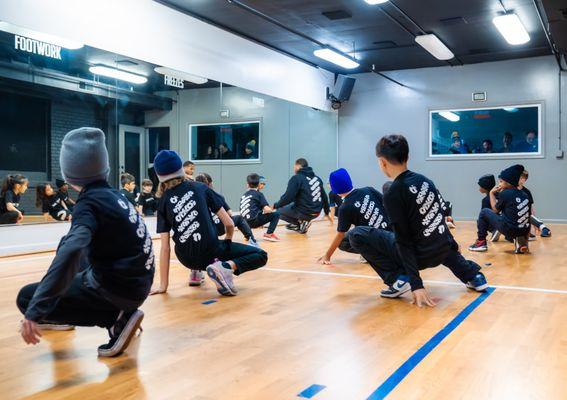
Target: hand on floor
(421,298)
(158,290)
(324,260)
(30,332)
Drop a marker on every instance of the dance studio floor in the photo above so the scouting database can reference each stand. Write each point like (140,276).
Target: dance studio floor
(321,332)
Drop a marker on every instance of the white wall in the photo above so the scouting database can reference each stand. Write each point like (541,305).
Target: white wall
(379,107)
(149,31)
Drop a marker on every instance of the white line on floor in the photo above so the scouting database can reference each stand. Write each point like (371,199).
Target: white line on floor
(297,271)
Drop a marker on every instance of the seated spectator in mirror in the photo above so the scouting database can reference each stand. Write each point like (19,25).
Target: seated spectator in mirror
(530,145)
(458,145)
(507,146)
(486,147)
(212,153)
(225,152)
(249,151)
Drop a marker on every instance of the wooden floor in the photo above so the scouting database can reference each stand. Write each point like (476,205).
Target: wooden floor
(296,323)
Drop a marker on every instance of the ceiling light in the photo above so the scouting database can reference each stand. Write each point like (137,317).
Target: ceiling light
(42,37)
(451,116)
(336,58)
(432,44)
(512,29)
(181,75)
(373,2)
(117,74)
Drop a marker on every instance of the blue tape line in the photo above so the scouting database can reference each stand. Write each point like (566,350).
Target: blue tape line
(394,380)
(208,302)
(311,391)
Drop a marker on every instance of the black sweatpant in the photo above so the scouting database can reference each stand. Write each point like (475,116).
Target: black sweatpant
(262,219)
(378,247)
(489,220)
(240,223)
(246,258)
(80,305)
(292,215)
(345,244)
(9,217)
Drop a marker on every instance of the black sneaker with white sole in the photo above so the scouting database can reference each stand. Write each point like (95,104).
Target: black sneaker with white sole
(495,236)
(121,333)
(396,289)
(292,227)
(304,227)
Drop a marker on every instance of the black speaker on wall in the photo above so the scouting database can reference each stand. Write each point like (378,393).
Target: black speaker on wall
(341,92)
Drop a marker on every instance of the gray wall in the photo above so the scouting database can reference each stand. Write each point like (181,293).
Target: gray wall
(378,107)
(289,131)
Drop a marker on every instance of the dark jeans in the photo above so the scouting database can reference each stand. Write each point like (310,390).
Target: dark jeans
(240,223)
(262,219)
(80,305)
(488,220)
(379,248)
(345,244)
(9,217)
(246,258)
(292,215)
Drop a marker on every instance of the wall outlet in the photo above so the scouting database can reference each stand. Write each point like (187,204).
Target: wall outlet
(559,154)
(224,113)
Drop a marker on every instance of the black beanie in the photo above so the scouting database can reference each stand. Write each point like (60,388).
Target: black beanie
(512,174)
(60,183)
(487,182)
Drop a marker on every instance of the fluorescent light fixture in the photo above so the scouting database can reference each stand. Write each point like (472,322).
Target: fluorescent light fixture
(42,37)
(117,74)
(510,109)
(432,44)
(373,2)
(336,58)
(512,29)
(451,116)
(181,75)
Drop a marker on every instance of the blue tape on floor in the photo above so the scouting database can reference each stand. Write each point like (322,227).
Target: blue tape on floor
(311,391)
(389,384)
(208,302)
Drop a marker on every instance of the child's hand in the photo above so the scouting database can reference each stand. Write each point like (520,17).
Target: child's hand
(421,298)
(30,332)
(324,260)
(159,290)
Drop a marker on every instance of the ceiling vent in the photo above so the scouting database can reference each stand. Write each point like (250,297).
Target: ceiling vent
(385,44)
(337,14)
(453,21)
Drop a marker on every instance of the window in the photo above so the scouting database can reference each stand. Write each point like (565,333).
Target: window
(158,139)
(501,132)
(225,142)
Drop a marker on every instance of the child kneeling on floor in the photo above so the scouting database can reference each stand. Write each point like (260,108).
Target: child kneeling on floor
(104,267)
(421,238)
(185,208)
(509,214)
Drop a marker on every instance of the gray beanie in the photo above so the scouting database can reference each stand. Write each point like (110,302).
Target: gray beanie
(84,158)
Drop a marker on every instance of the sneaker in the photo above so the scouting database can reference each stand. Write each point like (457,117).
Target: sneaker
(450,223)
(532,237)
(197,278)
(304,227)
(479,246)
(253,243)
(292,227)
(121,333)
(47,326)
(362,260)
(397,288)
(545,232)
(521,245)
(222,277)
(495,236)
(271,237)
(478,283)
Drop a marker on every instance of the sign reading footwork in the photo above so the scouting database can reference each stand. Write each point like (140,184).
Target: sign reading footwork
(36,47)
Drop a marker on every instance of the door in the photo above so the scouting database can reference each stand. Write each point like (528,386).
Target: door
(132,151)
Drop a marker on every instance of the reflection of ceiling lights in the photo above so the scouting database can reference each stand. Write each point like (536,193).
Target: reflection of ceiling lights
(376,1)
(432,44)
(42,37)
(117,74)
(451,116)
(512,29)
(181,75)
(510,109)
(336,58)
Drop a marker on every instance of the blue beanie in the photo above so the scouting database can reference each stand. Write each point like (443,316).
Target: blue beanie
(340,181)
(168,165)
(512,174)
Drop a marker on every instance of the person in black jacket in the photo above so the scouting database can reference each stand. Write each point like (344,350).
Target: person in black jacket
(536,222)
(421,238)
(303,199)
(104,266)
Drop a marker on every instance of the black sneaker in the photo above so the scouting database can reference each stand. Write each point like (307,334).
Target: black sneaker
(292,227)
(495,236)
(479,246)
(121,333)
(545,232)
(521,245)
(398,288)
(304,227)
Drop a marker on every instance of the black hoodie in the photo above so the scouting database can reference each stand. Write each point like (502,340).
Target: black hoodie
(307,192)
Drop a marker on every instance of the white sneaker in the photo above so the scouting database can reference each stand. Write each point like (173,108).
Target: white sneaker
(223,278)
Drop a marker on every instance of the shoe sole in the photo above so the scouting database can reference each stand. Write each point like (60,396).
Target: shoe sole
(523,250)
(195,284)
(479,250)
(393,296)
(271,239)
(56,327)
(480,288)
(125,336)
(219,279)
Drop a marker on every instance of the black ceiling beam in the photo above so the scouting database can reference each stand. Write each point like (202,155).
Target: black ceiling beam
(548,36)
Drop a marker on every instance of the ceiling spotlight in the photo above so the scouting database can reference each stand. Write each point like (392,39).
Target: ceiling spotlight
(336,58)
(118,74)
(512,29)
(184,76)
(451,116)
(373,2)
